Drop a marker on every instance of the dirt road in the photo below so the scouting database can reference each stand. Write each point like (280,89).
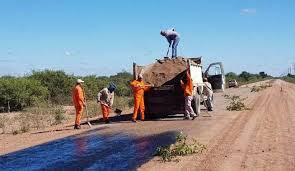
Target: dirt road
(259,139)
(262,138)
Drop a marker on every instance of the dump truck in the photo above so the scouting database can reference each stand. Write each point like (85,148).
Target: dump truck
(166,95)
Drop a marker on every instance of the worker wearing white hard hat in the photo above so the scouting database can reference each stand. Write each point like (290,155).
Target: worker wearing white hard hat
(79,102)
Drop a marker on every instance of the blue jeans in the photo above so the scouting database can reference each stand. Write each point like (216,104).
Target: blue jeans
(174,47)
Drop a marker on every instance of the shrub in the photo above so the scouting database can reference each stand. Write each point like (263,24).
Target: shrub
(15,132)
(17,93)
(236,103)
(59,114)
(59,84)
(180,148)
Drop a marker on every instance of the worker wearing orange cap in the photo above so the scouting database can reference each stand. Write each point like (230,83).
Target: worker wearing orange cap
(138,88)
(188,94)
(79,102)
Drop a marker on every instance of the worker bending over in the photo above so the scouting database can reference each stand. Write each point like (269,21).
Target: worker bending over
(208,91)
(106,99)
(79,102)
(138,88)
(173,39)
(188,94)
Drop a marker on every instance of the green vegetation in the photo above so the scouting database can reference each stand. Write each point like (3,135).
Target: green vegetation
(289,78)
(18,93)
(180,148)
(54,88)
(246,77)
(235,103)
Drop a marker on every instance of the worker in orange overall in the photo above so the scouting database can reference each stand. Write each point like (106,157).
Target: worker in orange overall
(188,94)
(106,99)
(139,88)
(79,102)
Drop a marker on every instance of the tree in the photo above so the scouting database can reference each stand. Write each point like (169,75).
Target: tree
(17,93)
(59,84)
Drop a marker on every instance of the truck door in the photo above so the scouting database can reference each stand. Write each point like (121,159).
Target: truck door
(215,75)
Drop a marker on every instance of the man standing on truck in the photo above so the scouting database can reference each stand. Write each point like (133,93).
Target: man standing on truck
(79,102)
(138,88)
(173,39)
(208,91)
(106,99)
(188,94)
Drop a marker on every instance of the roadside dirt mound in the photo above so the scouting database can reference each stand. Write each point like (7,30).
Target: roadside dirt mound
(163,71)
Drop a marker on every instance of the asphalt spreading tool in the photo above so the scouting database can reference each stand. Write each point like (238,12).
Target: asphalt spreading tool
(87,116)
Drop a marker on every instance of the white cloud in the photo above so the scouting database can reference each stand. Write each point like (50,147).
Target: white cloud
(68,53)
(248,11)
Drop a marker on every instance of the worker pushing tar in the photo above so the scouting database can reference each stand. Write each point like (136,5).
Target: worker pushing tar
(139,88)
(173,39)
(79,102)
(187,86)
(106,99)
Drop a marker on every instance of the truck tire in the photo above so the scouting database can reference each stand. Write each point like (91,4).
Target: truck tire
(197,100)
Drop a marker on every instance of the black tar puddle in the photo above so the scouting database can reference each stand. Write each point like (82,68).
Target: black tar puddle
(88,151)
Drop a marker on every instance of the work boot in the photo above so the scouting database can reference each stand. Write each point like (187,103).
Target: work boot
(186,118)
(77,126)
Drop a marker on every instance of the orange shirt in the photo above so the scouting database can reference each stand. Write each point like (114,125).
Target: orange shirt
(188,87)
(78,96)
(138,87)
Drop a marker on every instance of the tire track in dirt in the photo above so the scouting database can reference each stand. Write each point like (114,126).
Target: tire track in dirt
(273,147)
(221,147)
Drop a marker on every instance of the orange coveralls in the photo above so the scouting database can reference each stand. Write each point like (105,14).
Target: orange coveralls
(138,88)
(188,87)
(78,100)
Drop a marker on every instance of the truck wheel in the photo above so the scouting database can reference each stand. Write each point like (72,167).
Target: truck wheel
(197,100)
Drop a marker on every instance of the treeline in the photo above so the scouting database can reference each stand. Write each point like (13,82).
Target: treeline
(54,87)
(290,78)
(246,77)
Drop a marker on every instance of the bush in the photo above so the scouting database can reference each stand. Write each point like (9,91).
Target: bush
(15,132)
(17,93)
(59,84)
(290,78)
(180,148)
(236,103)
(54,87)
(59,114)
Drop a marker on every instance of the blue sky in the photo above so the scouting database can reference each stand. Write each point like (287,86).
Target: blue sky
(104,37)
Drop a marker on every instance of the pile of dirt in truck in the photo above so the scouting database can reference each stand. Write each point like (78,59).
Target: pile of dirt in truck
(164,71)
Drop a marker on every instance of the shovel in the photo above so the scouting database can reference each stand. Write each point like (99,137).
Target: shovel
(87,116)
